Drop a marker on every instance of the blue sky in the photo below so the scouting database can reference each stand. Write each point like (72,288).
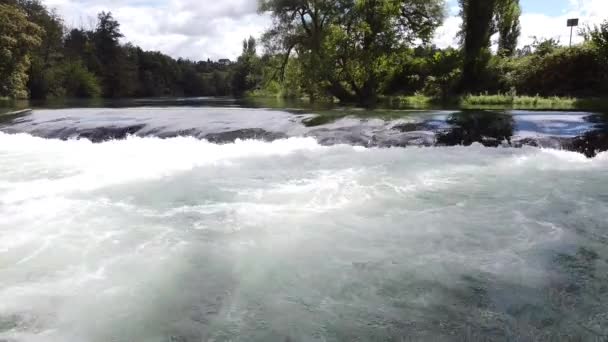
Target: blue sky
(540,18)
(548,7)
(201,29)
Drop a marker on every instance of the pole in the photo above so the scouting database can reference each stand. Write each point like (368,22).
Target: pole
(571,28)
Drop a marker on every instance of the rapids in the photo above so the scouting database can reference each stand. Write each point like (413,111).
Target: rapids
(289,239)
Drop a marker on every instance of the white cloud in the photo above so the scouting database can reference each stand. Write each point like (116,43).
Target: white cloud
(201,29)
(446,34)
(590,12)
(195,29)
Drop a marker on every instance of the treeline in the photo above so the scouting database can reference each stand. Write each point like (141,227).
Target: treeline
(361,50)
(356,51)
(41,58)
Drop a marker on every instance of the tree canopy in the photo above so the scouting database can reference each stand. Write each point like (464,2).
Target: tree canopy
(18,38)
(355,51)
(41,58)
(508,26)
(346,46)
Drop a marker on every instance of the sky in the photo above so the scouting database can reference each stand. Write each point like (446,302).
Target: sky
(201,29)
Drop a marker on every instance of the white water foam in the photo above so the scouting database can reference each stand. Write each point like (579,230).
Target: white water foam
(183,240)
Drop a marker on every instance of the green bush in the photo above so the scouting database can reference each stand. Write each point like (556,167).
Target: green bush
(79,82)
(575,71)
(445,74)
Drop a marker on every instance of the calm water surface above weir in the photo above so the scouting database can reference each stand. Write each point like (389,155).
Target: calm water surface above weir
(215,220)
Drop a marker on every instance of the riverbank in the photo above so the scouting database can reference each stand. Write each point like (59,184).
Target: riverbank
(265,100)
(481,101)
(500,102)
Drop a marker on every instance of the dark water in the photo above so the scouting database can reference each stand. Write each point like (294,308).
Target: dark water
(213,220)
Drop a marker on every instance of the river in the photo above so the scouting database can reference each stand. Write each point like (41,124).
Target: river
(222,222)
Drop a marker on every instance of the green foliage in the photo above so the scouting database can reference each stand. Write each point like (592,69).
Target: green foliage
(511,100)
(346,48)
(598,38)
(48,55)
(82,62)
(445,74)
(117,66)
(508,26)
(499,101)
(79,82)
(598,35)
(18,38)
(576,71)
(543,47)
(428,70)
(68,80)
(476,30)
(248,70)
(367,50)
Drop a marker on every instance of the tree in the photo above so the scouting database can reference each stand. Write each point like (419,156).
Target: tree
(78,82)
(18,38)
(598,36)
(476,31)
(543,46)
(116,65)
(347,46)
(370,37)
(508,26)
(47,58)
(300,26)
(247,74)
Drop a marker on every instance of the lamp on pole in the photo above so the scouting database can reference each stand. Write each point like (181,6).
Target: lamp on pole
(571,24)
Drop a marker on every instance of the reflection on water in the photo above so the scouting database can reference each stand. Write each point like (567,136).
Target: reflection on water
(487,128)
(62,103)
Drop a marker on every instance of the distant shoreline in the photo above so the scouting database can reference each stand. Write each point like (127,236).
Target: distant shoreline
(481,102)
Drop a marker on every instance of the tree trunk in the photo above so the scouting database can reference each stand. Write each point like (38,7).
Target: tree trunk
(337,90)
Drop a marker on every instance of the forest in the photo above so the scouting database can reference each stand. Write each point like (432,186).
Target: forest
(351,51)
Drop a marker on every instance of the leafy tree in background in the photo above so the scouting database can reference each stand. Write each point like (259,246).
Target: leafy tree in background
(543,47)
(75,62)
(598,36)
(46,59)
(351,50)
(19,37)
(508,26)
(346,47)
(116,64)
(221,83)
(78,82)
(476,31)
(247,74)
(371,36)
(301,26)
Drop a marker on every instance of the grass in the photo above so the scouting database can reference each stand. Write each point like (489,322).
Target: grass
(500,101)
(519,102)
(533,102)
(472,101)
